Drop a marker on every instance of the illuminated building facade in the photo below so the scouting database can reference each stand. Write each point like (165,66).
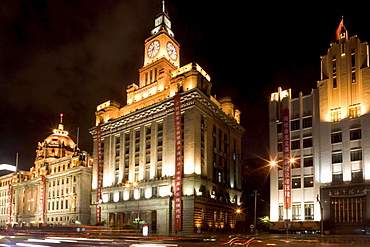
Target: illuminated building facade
(54,191)
(138,141)
(330,144)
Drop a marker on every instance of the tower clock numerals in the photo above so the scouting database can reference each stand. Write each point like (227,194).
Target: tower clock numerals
(171,50)
(153,48)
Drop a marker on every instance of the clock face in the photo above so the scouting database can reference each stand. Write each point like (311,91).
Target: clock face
(171,50)
(153,48)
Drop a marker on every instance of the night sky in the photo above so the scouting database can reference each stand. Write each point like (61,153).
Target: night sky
(69,56)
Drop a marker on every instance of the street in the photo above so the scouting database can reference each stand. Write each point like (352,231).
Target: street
(224,241)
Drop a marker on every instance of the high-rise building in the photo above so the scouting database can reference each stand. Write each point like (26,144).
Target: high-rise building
(174,174)
(321,143)
(53,191)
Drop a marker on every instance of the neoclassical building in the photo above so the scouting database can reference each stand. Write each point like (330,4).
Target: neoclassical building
(328,135)
(53,191)
(176,174)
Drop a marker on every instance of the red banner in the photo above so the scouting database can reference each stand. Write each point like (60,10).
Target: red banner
(286,164)
(42,200)
(178,164)
(100,173)
(9,220)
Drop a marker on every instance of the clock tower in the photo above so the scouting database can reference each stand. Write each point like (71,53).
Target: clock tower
(162,51)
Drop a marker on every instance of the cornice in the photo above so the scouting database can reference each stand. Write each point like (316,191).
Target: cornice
(163,108)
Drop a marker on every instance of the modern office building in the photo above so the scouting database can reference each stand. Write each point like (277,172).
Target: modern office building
(53,191)
(321,143)
(178,174)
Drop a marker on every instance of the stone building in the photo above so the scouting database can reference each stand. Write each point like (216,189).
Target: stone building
(53,191)
(136,145)
(329,145)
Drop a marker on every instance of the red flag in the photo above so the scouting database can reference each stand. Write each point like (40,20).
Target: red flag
(339,30)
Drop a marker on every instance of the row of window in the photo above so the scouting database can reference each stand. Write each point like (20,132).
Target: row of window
(296,182)
(297,211)
(354,134)
(58,205)
(137,152)
(295,124)
(356,177)
(56,182)
(355,155)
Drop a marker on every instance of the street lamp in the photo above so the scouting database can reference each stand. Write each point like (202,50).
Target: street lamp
(273,163)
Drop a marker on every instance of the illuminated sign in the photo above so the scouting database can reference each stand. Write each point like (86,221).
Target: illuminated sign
(100,173)
(286,164)
(178,164)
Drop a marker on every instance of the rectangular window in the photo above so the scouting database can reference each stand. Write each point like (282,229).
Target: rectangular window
(336,114)
(308,182)
(281,212)
(353,76)
(353,58)
(142,193)
(354,110)
(356,155)
(307,161)
(307,122)
(357,177)
(307,142)
(296,144)
(336,137)
(336,158)
(296,163)
(294,125)
(279,128)
(296,211)
(337,179)
(280,184)
(280,147)
(308,211)
(296,182)
(355,134)
(154,191)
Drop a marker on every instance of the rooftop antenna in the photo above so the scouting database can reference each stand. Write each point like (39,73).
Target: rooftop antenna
(60,126)
(78,137)
(16,162)
(163,7)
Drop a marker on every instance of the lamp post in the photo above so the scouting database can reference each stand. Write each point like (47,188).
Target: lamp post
(321,215)
(255,208)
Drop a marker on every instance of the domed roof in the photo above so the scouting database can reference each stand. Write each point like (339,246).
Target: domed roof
(60,137)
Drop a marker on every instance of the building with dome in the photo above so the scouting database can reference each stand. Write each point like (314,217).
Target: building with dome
(171,156)
(52,192)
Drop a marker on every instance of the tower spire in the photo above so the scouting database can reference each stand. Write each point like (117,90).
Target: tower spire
(60,126)
(341,32)
(162,22)
(163,7)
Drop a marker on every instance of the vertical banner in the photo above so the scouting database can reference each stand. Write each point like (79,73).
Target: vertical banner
(178,164)
(9,220)
(286,164)
(100,173)
(42,200)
